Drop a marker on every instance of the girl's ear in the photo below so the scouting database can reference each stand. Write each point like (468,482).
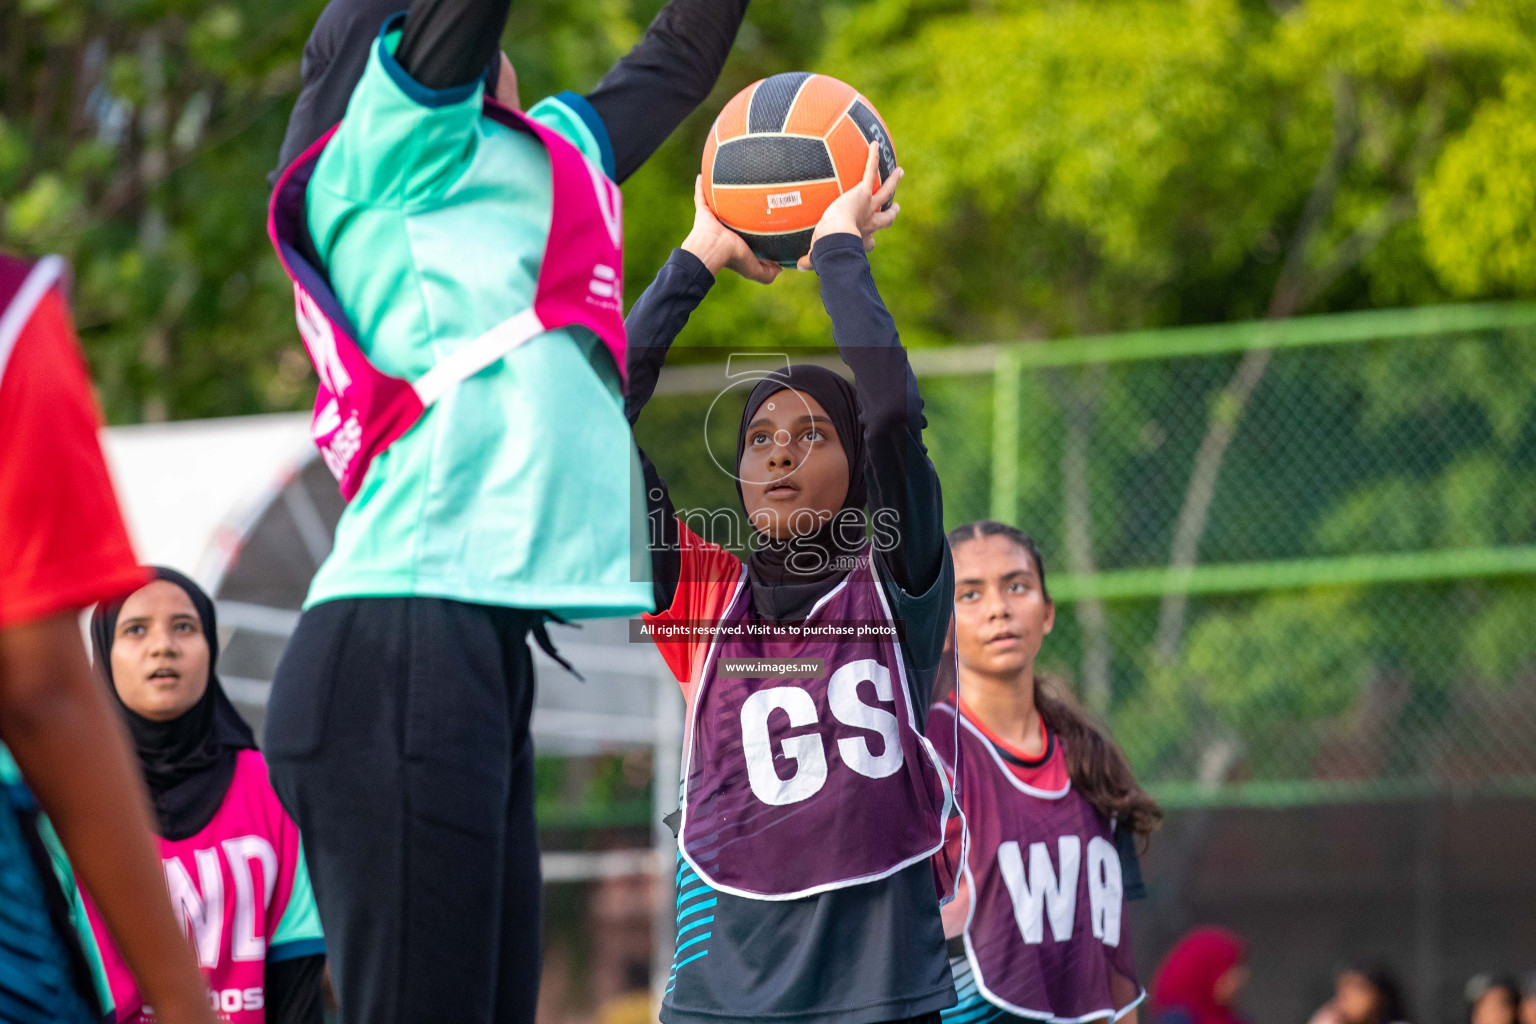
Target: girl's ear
(1050,617)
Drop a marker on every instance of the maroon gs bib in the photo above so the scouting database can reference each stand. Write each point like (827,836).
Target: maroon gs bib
(796,786)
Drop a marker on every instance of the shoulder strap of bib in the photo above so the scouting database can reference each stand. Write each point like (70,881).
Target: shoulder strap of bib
(477,355)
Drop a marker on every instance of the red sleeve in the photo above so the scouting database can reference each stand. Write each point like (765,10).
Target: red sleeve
(63,545)
(707,581)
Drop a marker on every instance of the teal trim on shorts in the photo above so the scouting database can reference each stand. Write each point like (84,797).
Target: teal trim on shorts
(294,950)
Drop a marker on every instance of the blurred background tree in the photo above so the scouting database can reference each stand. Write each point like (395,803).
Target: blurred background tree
(1075,167)
(136,137)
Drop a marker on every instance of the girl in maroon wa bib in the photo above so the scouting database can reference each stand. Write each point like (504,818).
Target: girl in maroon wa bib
(810,799)
(1039,929)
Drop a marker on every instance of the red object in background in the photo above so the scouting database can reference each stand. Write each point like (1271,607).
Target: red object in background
(63,544)
(1186,979)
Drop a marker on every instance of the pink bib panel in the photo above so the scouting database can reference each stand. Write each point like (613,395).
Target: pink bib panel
(360,410)
(229,886)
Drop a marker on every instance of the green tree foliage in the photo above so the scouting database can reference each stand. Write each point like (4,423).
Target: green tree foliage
(136,139)
(1480,204)
(1074,166)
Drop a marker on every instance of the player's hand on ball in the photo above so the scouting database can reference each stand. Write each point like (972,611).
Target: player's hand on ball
(860,211)
(718,246)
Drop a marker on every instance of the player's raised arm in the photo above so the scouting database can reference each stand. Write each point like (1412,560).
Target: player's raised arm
(904,487)
(646,95)
(662,310)
(451,43)
(654,322)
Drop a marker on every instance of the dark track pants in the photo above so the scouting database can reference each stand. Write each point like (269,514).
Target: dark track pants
(397,737)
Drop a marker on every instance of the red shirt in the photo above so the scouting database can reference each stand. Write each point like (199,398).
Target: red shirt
(1047,771)
(707,581)
(63,545)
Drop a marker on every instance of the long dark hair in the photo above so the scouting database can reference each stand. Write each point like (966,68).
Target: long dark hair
(1099,769)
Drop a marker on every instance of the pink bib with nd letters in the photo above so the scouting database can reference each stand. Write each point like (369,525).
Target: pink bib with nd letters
(230,885)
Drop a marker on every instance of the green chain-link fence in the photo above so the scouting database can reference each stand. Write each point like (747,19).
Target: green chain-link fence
(1294,560)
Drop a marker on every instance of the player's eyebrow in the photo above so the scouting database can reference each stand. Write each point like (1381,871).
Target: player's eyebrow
(139,620)
(1016,574)
(764,421)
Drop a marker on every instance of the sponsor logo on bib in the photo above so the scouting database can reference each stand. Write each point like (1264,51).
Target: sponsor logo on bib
(315,328)
(604,285)
(610,203)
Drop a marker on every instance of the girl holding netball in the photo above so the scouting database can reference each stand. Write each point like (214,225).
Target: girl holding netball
(230,852)
(810,800)
(1039,928)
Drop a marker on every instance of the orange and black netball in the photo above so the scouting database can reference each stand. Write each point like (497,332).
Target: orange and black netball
(781,151)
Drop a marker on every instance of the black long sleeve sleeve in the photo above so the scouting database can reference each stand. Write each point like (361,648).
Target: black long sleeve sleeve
(646,95)
(294,994)
(447,43)
(903,485)
(642,98)
(655,320)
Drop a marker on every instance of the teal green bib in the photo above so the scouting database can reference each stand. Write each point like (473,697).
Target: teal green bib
(522,486)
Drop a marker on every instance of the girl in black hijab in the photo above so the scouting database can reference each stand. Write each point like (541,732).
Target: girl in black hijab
(860,943)
(188,760)
(157,649)
(788,575)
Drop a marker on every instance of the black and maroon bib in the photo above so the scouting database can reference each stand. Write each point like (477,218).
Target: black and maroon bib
(1047,931)
(799,785)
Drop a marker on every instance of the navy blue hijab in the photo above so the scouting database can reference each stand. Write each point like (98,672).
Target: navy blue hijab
(788,577)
